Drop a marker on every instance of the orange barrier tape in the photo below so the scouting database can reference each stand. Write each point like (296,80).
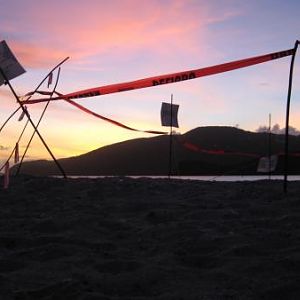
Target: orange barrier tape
(168,78)
(109,120)
(196,148)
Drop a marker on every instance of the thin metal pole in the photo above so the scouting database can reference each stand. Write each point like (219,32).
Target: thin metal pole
(269,146)
(31,122)
(286,148)
(171,140)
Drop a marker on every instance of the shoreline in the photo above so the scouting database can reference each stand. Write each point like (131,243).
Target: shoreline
(220,178)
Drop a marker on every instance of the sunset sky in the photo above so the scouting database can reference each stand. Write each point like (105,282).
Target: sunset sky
(115,41)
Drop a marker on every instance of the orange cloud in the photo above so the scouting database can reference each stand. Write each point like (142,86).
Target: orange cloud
(35,56)
(97,28)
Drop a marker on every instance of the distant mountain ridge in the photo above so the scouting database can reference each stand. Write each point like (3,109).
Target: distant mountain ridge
(150,156)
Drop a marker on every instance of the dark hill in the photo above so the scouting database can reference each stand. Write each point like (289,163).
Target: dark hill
(192,155)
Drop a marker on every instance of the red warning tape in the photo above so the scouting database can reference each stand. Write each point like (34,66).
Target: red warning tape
(168,78)
(107,119)
(196,148)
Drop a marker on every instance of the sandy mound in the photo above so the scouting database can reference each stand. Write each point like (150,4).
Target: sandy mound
(122,238)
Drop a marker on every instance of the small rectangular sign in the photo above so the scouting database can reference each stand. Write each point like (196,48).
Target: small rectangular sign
(169,114)
(267,164)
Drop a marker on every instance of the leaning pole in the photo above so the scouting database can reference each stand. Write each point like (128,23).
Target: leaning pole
(286,148)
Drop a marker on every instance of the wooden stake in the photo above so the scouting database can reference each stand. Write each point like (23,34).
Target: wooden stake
(286,148)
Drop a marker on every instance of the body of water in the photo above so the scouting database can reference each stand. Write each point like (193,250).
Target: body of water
(205,178)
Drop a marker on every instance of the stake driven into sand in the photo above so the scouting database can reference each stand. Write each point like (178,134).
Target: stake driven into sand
(167,78)
(286,146)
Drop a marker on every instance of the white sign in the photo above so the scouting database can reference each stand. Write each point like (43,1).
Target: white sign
(267,164)
(169,114)
(8,63)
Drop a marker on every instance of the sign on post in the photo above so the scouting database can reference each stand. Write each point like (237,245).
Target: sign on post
(169,114)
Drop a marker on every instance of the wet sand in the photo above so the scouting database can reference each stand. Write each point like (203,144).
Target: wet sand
(122,238)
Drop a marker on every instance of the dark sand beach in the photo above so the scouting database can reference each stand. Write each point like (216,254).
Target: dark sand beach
(122,238)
